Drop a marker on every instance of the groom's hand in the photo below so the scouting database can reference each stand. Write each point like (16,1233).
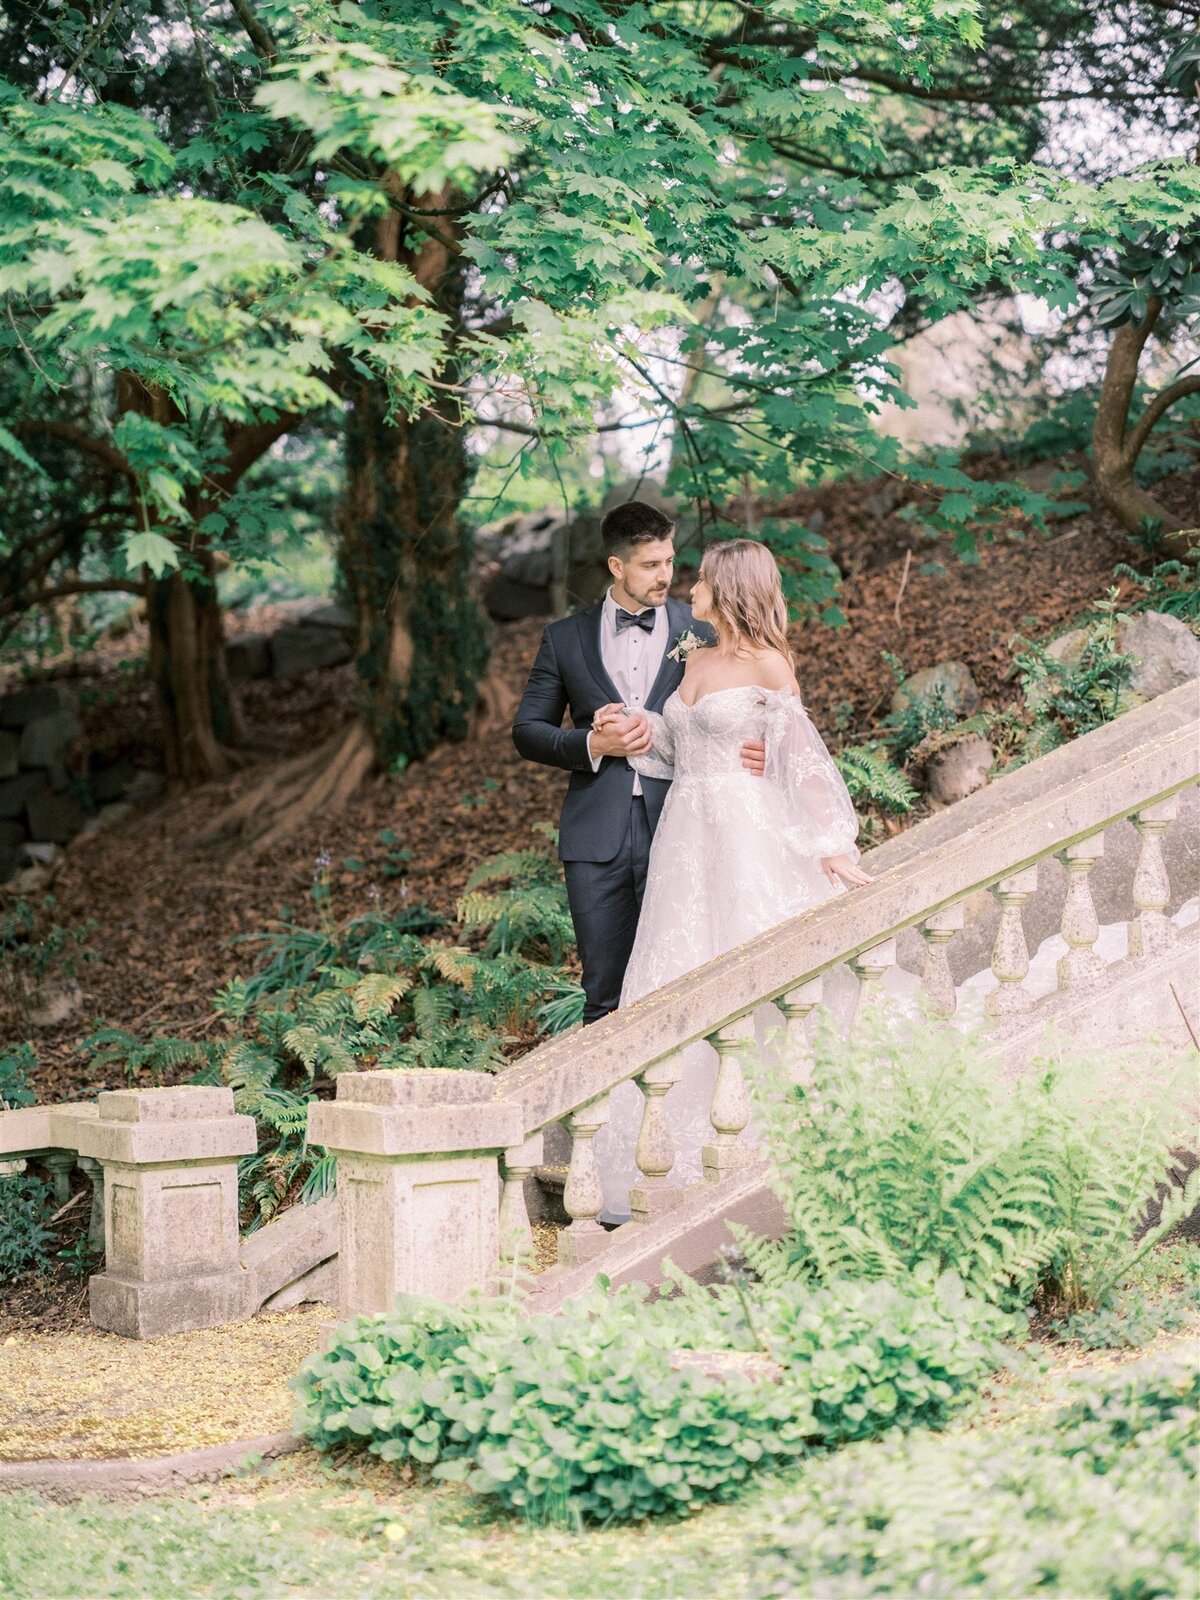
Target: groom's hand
(620,734)
(754,757)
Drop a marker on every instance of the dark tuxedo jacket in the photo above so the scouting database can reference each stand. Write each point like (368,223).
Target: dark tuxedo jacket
(568,674)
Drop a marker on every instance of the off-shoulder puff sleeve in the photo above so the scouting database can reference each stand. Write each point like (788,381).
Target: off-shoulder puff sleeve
(659,760)
(799,763)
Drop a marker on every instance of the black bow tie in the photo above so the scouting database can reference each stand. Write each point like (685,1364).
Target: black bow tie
(636,619)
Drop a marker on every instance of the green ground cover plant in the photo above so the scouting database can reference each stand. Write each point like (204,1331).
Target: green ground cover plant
(26,1203)
(1001,1510)
(583,1417)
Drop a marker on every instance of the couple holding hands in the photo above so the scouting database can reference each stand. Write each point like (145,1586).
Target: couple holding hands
(703,807)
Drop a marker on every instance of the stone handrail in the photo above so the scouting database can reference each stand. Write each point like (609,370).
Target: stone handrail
(1141,760)
(418,1158)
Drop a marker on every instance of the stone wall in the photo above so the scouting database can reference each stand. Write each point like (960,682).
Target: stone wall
(50,788)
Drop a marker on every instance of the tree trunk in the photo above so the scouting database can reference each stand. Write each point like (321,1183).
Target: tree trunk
(1116,445)
(187,665)
(405,558)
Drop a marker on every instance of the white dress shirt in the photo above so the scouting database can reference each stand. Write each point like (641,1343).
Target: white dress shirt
(632,658)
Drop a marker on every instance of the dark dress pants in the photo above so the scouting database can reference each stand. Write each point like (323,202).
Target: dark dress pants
(606,899)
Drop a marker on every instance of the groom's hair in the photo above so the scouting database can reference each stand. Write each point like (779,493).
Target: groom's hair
(633,523)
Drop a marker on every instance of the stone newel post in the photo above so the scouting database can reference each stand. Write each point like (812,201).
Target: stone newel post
(418,1182)
(171,1209)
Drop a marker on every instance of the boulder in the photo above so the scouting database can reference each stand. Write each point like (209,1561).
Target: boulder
(957,770)
(298,649)
(954,681)
(46,740)
(10,745)
(146,785)
(41,700)
(1168,652)
(54,818)
(247,656)
(53,1002)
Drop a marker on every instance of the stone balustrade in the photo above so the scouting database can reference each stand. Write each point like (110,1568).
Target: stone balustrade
(992,842)
(432,1164)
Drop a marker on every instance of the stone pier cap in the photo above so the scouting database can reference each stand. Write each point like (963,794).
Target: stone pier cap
(423,1111)
(140,1127)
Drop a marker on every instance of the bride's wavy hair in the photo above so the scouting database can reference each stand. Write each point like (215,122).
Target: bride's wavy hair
(747,594)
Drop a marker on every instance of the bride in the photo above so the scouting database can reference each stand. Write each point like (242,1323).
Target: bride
(733,854)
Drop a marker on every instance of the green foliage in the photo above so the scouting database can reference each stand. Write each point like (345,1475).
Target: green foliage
(1170,586)
(1160,1296)
(25,1207)
(149,1059)
(584,1417)
(873,780)
(907,1150)
(1098,1500)
(16,1063)
(1075,695)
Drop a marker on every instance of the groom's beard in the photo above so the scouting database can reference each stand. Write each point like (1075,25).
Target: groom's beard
(651,597)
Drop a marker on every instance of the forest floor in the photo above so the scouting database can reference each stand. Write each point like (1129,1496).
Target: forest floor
(165,909)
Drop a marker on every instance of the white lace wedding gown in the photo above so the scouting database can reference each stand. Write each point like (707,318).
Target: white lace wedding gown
(733,855)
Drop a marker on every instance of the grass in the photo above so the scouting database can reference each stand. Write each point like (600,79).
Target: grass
(977,1510)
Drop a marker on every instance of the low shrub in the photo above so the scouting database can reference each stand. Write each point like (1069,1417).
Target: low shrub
(1161,1295)
(1063,1512)
(25,1206)
(907,1149)
(583,1417)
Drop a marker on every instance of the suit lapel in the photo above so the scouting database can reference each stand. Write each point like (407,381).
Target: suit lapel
(679,617)
(589,634)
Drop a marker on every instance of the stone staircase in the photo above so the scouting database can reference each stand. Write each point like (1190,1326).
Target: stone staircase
(434,1166)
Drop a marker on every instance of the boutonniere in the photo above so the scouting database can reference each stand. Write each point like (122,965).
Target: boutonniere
(684,645)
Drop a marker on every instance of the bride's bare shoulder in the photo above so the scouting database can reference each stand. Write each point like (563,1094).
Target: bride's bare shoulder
(775,671)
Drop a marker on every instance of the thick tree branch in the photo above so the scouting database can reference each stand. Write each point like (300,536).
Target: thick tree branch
(1162,403)
(50,428)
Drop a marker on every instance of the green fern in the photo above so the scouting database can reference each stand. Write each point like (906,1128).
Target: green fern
(872,779)
(907,1148)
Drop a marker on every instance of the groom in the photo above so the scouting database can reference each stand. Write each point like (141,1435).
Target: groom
(617,650)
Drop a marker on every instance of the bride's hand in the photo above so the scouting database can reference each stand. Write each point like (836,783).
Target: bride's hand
(835,867)
(607,714)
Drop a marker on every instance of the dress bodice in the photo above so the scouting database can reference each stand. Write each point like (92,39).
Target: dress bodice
(706,738)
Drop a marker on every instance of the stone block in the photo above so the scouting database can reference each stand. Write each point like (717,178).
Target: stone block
(247,656)
(331,615)
(109,783)
(46,740)
(12,837)
(170,1209)
(53,1002)
(417,1227)
(139,1310)
(40,700)
(295,650)
(291,1248)
(10,745)
(54,818)
(16,793)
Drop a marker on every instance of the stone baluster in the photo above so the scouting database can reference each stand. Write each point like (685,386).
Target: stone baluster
(516,1165)
(870,966)
(60,1164)
(1081,968)
(583,1196)
(937,981)
(795,1007)
(1010,954)
(655,1151)
(94,1173)
(1150,931)
(730,1109)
